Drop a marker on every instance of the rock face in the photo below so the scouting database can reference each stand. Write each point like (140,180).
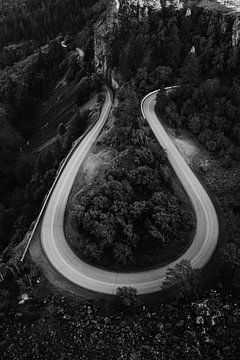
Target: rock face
(236,32)
(155,4)
(105,28)
(138,10)
(100,50)
(223,26)
(102,34)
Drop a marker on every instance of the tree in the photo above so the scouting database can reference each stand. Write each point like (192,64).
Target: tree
(4,298)
(127,297)
(96,83)
(190,72)
(162,76)
(48,159)
(183,281)
(230,265)
(194,124)
(3,227)
(210,88)
(171,113)
(173,43)
(84,90)
(92,250)
(58,151)
(61,129)
(24,169)
(161,100)
(78,123)
(123,253)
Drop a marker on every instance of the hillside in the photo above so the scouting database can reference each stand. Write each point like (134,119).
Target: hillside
(52,54)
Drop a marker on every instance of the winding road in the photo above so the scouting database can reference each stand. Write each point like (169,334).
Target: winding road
(97,280)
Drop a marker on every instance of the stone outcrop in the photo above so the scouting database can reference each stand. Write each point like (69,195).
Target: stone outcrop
(102,34)
(105,30)
(236,32)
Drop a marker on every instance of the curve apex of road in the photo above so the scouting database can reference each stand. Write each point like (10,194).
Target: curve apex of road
(64,260)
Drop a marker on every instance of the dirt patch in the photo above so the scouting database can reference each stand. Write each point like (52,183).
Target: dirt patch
(187,148)
(187,145)
(92,168)
(221,180)
(93,162)
(93,165)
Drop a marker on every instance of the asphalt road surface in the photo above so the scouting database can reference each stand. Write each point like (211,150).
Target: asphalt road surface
(81,274)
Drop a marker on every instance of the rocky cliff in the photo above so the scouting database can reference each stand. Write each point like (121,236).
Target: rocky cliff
(105,30)
(102,34)
(226,26)
(236,32)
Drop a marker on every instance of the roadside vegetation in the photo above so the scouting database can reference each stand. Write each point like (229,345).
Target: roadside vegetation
(198,50)
(43,20)
(209,109)
(26,176)
(129,217)
(134,199)
(57,327)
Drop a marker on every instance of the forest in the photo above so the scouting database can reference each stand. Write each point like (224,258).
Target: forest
(129,217)
(26,176)
(163,49)
(41,21)
(209,109)
(200,319)
(199,52)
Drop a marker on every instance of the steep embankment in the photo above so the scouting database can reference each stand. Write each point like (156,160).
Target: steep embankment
(136,38)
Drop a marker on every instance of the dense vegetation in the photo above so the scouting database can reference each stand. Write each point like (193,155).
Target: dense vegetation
(51,326)
(199,51)
(163,48)
(129,214)
(44,20)
(149,53)
(210,111)
(26,177)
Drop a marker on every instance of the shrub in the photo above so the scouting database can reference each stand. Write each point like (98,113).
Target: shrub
(183,281)
(127,297)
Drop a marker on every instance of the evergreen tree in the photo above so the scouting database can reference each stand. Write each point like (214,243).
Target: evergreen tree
(183,281)
(190,72)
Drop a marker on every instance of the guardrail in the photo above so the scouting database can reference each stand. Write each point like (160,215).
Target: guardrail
(59,172)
